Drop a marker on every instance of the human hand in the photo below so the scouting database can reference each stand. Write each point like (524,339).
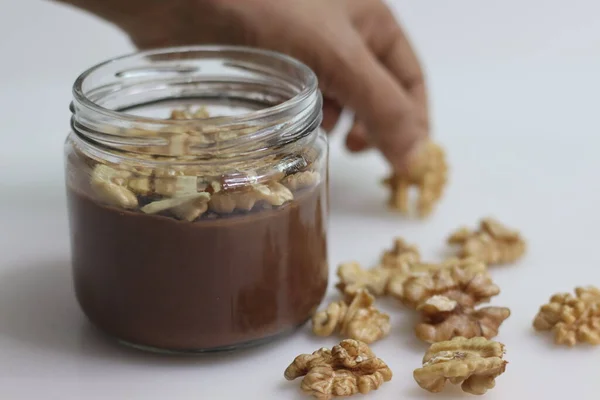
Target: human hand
(359,52)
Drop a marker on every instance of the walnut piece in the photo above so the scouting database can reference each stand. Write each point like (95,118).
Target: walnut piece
(305,362)
(400,254)
(359,320)
(140,186)
(573,319)
(272,194)
(301,180)
(428,172)
(200,113)
(444,319)
(353,278)
(187,207)
(173,182)
(475,363)
(465,281)
(493,243)
(110,185)
(349,368)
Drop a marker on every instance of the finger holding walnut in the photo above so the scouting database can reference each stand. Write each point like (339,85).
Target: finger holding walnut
(428,172)
(359,320)
(474,363)
(349,368)
(493,243)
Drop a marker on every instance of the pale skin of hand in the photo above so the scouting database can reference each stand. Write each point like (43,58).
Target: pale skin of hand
(362,58)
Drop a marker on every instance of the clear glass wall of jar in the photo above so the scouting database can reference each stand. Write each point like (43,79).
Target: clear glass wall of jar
(197,195)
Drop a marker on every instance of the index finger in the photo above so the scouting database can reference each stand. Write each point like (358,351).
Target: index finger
(400,58)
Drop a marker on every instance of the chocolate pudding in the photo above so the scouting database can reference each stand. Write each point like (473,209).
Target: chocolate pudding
(218,282)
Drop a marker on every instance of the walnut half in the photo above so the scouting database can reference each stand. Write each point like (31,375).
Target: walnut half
(359,320)
(401,255)
(493,243)
(399,276)
(467,286)
(474,363)
(353,278)
(349,368)
(444,319)
(573,319)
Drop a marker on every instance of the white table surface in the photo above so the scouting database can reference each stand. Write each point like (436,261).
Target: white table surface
(515,90)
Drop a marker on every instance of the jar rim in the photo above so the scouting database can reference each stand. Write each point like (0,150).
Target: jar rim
(310,85)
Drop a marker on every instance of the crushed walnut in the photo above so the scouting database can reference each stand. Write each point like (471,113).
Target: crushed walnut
(359,320)
(474,363)
(444,319)
(188,207)
(110,185)
(466,282)
(428,172)
(188,189)
(493,243)
(573,319)
(348,368)
(301,180)
(187,113)
(272,194)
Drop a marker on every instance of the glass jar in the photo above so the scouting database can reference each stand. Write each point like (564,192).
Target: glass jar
(197,196)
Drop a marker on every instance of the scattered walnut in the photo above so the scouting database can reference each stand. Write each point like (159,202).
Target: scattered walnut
(401,254)
(428,172)
(493,243)
(360,320)
(444,319)
(324,382)
(272,194)
(466,286)
(305,362)
(458,279)
(301,180)
(475,363)
(109,184)
(353,278)
(573,319)
(349,368)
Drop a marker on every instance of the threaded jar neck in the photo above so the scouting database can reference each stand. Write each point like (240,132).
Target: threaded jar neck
(265,101)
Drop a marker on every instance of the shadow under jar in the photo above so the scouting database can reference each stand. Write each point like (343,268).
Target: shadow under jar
(197,194)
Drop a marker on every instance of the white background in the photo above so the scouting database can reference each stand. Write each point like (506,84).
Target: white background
(515,90)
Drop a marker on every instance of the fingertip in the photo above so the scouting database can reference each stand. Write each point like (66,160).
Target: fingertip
(356,145)
(331,114)
(357,139)
(408,159)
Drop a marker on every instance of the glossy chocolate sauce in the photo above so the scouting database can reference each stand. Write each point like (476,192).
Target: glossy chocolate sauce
(155,281)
